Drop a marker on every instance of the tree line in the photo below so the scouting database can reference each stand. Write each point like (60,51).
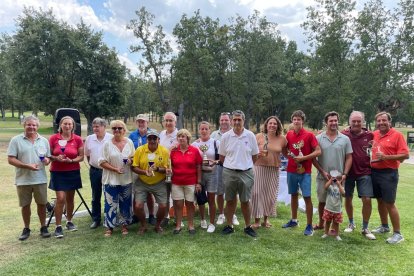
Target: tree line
(357,60)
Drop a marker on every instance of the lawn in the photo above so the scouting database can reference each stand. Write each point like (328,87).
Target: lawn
(276,251)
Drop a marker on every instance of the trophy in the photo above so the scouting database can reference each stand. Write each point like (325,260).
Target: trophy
(299,145)
(206,163)
(370,151)
(151,158)
(62,144)
(264,151)
(41,152)
(168,174)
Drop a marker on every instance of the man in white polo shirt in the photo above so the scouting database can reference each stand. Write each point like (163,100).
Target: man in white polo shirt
(238,152)
(93,151)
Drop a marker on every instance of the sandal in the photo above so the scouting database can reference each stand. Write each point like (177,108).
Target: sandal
(159,230)
(142,231)
(108,232)
(317,227)
(177,231)
(255,226)
(124,230)
(266,224)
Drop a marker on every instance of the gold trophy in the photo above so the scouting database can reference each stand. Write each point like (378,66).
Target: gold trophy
(206,163)
(299,145)
(168,174)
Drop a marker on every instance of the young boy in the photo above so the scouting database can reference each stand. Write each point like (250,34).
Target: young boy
(333,208)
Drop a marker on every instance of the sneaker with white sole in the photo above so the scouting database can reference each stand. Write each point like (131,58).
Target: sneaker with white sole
(381,230)
(71,227)
(235,220)
(324,236)
(220,219)
(395,238)
(351,227)
(338,238)
(211,228)
(203,224)
(59,232)
(368,234)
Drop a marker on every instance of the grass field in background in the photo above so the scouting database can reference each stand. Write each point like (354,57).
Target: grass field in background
(276,251)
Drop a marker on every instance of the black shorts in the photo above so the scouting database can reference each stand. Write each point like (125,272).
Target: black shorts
(65,181)
(384,183)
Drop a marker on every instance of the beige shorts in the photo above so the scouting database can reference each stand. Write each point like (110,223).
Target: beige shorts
(180,192)
(26,192)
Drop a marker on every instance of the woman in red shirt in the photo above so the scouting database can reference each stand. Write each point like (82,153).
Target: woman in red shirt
(186,167)
(67,151)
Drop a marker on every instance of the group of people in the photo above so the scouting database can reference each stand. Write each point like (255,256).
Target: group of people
(231,164)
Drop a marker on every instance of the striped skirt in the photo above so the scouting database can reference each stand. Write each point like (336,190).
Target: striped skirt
(265,190)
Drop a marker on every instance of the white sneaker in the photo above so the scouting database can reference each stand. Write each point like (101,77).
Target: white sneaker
(203,224)
(338,238)
(235,221)
(324,236)
(220,219)
(395,238)
(351,227)
(368,234)
(211,228)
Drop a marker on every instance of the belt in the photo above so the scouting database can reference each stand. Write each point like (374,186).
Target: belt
(236,170)
(96,169)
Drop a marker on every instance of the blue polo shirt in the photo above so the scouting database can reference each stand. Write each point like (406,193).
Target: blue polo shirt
(136,137)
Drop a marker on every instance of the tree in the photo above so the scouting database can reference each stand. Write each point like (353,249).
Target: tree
(155,49)
(329,30)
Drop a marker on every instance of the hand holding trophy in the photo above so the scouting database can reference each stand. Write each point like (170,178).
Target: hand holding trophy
(299,168)
(206,163)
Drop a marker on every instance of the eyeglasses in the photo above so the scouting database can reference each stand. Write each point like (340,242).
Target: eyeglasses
(152,138)
(117,128)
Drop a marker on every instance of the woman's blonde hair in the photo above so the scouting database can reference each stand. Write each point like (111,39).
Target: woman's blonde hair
(118,122)
(184,132)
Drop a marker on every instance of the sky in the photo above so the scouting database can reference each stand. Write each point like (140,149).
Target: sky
(112,16)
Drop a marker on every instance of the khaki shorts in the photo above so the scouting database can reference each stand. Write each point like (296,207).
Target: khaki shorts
(26,192)
(159,190)
(180,192)
(238,182)
(320,189)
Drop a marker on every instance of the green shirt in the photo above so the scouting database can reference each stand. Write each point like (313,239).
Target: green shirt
(28,153)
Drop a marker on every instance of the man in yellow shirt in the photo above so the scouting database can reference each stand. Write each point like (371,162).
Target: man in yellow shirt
(150,163)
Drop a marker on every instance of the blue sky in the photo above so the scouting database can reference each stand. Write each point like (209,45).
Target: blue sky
(111,16)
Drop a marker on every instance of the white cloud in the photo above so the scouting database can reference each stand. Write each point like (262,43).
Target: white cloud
(123,59)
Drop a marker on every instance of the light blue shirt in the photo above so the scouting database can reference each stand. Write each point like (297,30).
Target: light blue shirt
(28,153)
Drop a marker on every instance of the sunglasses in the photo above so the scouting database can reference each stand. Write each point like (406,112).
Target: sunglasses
(225,113)
(117,128)
(152,138)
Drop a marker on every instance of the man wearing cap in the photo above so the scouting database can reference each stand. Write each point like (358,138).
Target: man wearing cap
(238,151)
(139,138)
(93,151)
(151,179)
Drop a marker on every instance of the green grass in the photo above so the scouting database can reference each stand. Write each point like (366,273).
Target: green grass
(276,251)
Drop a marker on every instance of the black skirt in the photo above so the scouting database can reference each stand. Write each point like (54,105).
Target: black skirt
(65,181)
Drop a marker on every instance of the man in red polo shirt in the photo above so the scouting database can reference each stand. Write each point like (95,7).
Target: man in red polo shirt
(302,147)
(389,149)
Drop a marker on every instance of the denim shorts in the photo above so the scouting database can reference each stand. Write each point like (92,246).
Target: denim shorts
(363,184)
(302,181)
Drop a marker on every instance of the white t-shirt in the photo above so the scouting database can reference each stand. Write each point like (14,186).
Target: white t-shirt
(210,144)
(238,150)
